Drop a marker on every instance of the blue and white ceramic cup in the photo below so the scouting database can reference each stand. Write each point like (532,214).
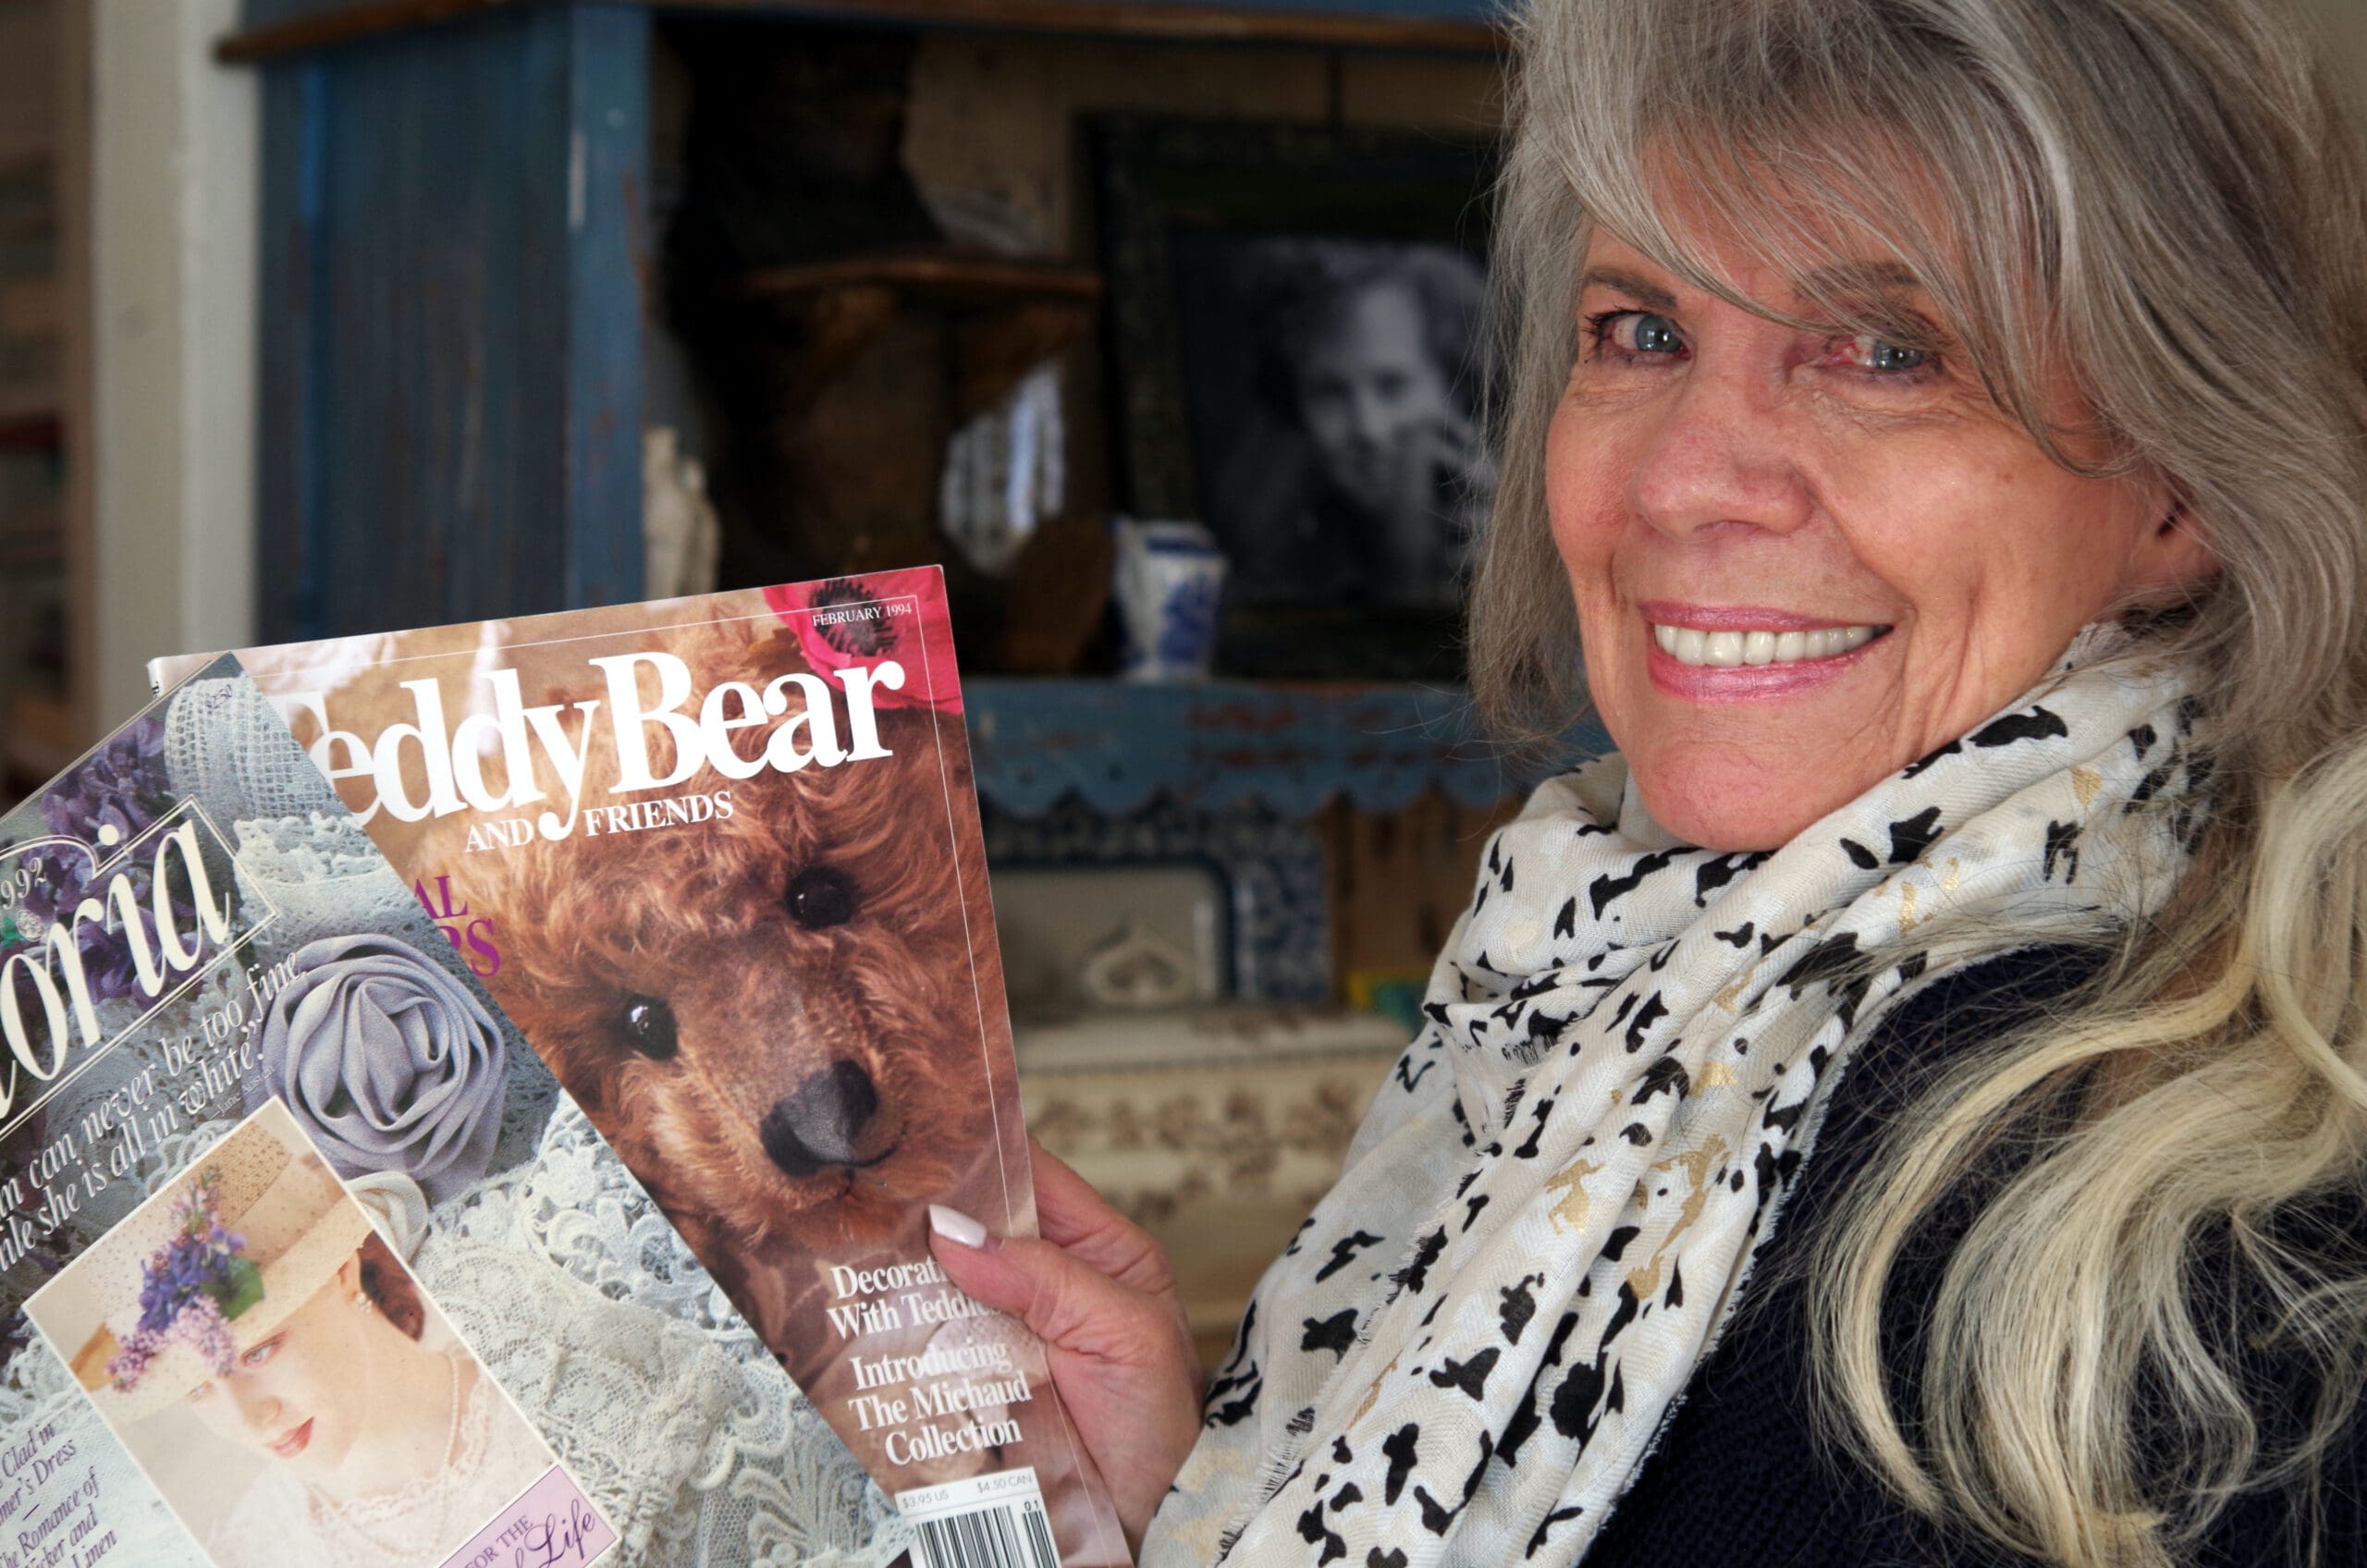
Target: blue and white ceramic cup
(1168,587)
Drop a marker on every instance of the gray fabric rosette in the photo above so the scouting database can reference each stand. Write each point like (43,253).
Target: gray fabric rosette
(388,1060)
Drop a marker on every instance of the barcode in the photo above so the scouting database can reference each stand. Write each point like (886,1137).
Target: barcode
(1013,1535)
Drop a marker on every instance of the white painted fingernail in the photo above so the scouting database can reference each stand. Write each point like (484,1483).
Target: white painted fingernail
(956,1225)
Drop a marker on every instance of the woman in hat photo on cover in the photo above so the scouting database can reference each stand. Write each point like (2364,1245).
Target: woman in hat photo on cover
(253,1295)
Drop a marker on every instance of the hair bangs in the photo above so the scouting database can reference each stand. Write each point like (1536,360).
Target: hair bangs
(1856,163)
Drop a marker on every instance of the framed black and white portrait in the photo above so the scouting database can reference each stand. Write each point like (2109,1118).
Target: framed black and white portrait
(1299,360)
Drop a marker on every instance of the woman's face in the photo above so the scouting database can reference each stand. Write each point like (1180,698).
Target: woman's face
(296,1395)
(1801,560)
(1366,388)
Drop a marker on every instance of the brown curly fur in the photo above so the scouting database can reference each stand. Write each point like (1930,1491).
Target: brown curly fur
(694,917)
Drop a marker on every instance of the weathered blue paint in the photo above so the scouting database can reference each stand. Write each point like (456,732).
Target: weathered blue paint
(290,583)
(264,13)
(1213,747)
(608,255)
(452,276)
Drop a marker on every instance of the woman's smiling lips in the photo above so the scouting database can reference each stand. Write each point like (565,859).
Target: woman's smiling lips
(290,1443)
(1739,653)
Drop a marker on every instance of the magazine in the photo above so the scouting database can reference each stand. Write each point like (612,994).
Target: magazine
(719,860)
(256,998)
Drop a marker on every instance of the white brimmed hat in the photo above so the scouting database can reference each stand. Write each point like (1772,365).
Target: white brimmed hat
(270,1189)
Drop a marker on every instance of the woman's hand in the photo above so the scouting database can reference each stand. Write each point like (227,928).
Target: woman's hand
(1100,1293)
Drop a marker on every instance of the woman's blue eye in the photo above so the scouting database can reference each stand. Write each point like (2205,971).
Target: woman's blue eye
(1650,334)
(1632,334)
(1873,353)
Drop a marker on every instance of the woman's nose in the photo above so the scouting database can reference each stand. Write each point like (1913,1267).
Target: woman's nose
(1724,452)
(1372,415)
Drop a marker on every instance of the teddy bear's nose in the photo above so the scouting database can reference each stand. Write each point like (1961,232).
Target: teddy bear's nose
(817,1124)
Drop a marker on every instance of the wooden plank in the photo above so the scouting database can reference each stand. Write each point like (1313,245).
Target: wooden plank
(608,267)
(1446,25)
(278,27)
(290,265)
(274,13)
(935,277)
(1400,880)
(30,103)
(33,430)
(451,358)
(1452,27)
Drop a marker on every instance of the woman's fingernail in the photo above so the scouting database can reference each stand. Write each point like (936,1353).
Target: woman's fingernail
(956,1225)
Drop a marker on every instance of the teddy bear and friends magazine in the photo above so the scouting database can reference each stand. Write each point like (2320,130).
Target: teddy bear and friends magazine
(716,864)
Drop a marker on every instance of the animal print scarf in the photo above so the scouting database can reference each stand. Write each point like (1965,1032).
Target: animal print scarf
(1471,1344)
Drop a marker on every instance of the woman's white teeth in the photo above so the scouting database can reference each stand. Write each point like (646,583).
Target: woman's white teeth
(1724,650)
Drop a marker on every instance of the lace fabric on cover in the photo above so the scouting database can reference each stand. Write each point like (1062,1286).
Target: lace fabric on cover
(656,1394)
(210,734)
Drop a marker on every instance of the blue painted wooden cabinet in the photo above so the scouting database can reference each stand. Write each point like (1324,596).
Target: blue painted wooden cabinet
(454,259)
(451,374)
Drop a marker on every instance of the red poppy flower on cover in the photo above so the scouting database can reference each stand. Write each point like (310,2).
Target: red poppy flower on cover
(845,622)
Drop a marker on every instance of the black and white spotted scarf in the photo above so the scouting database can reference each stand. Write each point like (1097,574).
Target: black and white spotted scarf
(1470,1346)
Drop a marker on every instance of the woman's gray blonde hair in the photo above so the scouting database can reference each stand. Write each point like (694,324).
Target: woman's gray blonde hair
(2164,199)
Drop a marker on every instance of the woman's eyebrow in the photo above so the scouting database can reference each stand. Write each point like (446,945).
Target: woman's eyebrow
(1627,283)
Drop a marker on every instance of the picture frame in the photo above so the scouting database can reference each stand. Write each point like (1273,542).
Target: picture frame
(1296,361)
(1277,932)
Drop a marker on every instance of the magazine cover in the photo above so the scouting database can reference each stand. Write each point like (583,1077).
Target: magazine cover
(305,1258)
(720,859)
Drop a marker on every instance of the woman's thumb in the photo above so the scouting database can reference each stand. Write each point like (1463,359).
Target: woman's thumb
(1063,1302)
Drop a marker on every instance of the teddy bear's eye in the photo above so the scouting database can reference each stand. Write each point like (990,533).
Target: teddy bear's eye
(820,896)
(649,1027)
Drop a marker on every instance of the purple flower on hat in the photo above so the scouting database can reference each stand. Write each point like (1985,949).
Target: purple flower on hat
(191,1289)
(388,1060)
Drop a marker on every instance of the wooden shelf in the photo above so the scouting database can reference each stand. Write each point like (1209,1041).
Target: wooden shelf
(950,279)
(48,555)
(1008,314)
(1434,31)
(31,429)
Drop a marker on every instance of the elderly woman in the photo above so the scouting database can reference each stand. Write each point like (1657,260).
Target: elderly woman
(1908,1105)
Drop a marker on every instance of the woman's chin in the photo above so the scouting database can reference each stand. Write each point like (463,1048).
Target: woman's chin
(1736,802)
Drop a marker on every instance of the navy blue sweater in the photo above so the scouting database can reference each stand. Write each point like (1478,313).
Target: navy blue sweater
(1742,1477)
